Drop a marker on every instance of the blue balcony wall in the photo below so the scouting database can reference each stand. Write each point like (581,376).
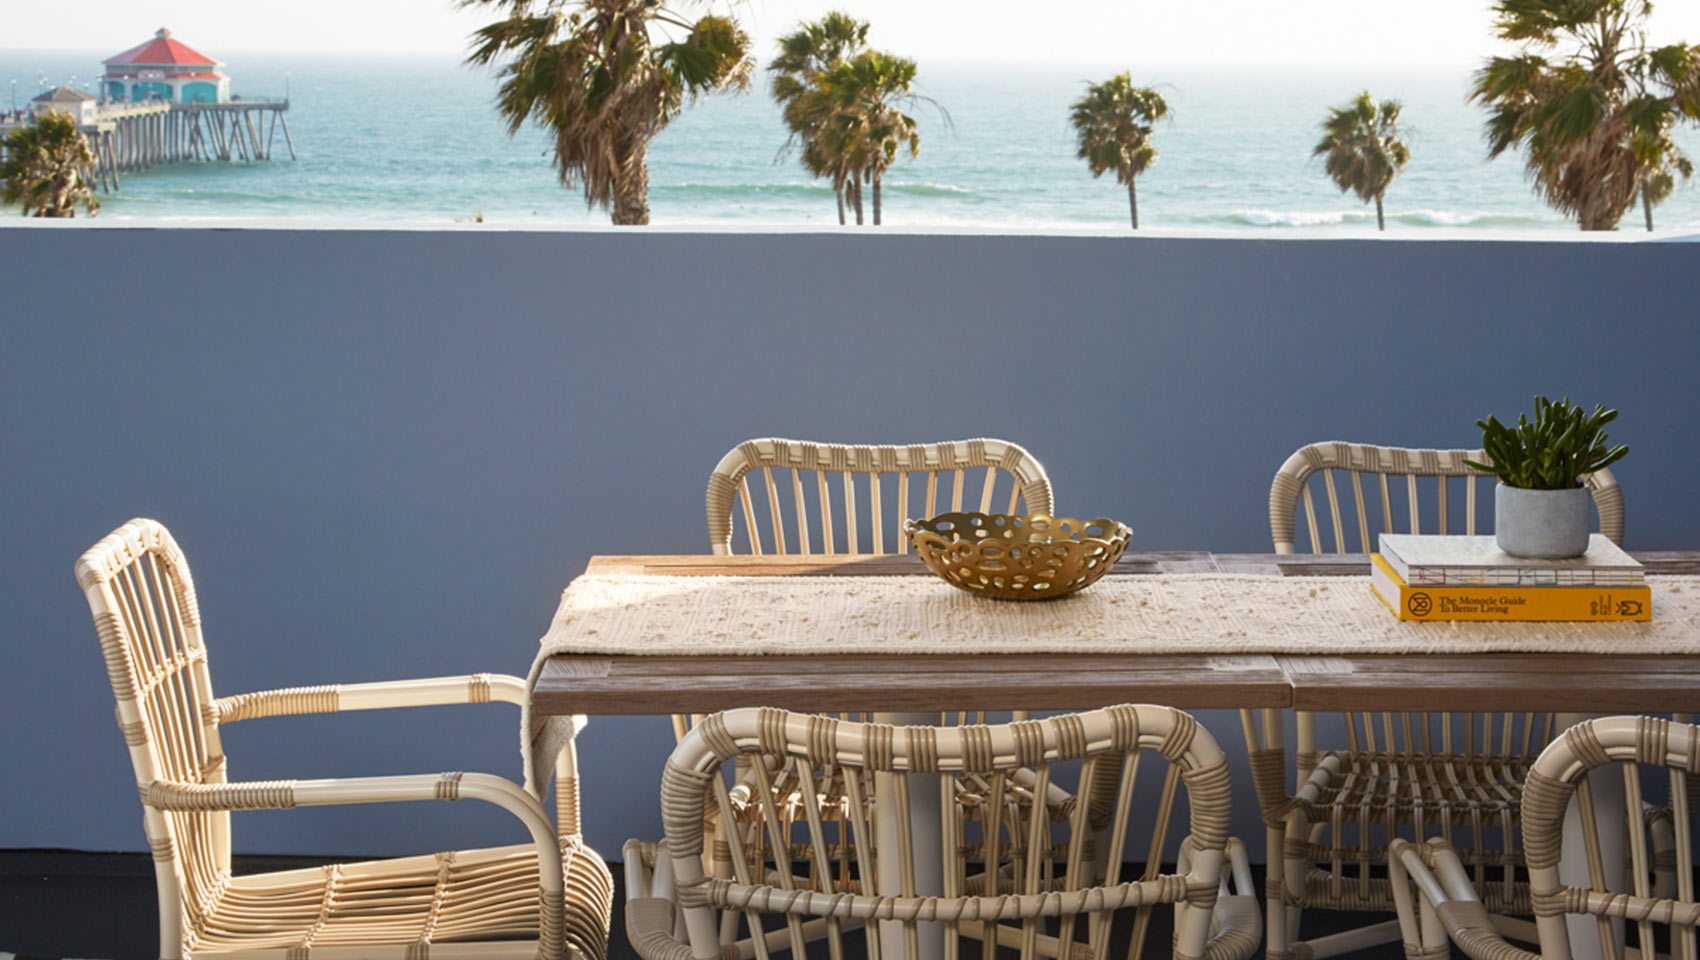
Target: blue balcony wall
(386,452)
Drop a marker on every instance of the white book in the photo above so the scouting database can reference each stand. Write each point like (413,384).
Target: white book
(1477,561)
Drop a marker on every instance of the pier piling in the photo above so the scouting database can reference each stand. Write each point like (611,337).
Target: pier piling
(131,137)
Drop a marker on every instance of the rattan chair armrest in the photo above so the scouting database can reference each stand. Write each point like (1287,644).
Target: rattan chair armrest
(382,695)
(1238,929)
(287,794)
(1439,877)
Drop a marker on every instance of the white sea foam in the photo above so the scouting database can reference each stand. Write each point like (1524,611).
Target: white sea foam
(1439,218)
(1287,218)
(923,188)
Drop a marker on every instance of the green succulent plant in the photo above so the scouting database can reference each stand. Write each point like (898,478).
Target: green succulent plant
(1554,451)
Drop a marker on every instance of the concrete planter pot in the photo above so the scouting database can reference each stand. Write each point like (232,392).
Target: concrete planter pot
(1544,524)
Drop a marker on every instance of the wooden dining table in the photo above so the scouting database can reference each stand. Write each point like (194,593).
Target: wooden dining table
(1577,682)
(906,686)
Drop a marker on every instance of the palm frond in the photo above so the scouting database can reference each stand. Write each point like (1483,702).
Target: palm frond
(1588,104)
(1360,146)
(1113,125)
(604,78)
(43,168)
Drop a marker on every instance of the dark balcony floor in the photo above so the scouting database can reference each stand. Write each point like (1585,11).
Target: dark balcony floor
(100,906)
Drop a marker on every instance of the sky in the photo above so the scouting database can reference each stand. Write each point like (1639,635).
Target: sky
(1295,33)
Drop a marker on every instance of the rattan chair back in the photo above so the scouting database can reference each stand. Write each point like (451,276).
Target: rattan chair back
(142,598)
(1630,746)
(1650,893)
(790,512)
(1048,883)
(1394,504)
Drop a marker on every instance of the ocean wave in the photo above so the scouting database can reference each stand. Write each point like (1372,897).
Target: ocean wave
(1439,218)
(746,189)
(817,189)
(203,197)
(1287,218)
(1445,218)
(924,189)
(1413,218)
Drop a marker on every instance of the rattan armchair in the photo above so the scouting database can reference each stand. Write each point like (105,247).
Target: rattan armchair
(548,898)
(1007,879)
(1460,775)
(1652,899)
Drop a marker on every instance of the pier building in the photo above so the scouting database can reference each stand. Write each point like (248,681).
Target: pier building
(69,100)
(165,69)
(164,102)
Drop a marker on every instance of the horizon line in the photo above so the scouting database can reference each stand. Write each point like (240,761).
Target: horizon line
(1146,68)
(1238,63)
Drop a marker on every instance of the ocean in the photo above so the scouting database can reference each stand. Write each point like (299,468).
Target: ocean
(416,140)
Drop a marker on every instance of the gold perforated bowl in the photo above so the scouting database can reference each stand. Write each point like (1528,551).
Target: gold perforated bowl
(1015,557)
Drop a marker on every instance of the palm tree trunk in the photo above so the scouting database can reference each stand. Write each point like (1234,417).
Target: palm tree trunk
(1647,206)
(838,194)
(1380,221)
(1595,221)
(63,203)
(1133,204)
(1600,214)
(856,199)
(631,189)
(876,200)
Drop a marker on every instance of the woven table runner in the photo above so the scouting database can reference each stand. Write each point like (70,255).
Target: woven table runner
(1208,613)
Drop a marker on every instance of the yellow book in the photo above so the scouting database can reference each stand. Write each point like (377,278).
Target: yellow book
(1594,604)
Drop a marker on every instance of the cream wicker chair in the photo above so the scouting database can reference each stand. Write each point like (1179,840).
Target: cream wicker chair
(1004,475)
(547,899)
(1652,902)
(729,486)
(1060,902)
(1413,771)
(1294,480)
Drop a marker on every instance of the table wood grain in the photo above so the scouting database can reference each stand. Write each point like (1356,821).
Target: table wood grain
(926,682)
(642,685)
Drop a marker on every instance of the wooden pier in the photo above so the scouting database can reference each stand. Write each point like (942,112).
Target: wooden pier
(131,137)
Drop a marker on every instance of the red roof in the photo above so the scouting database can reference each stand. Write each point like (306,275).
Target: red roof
(133,75)
(162,50)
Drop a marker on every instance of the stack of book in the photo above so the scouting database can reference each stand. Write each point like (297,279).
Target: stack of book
(1470,578)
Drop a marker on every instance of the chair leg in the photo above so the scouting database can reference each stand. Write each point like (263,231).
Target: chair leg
(1410,933)
(589,888)
(1436,944)
(1275,926)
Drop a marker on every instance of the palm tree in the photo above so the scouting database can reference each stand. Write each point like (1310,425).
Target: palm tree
(1659,181)
(1362,150)
(1662,161)
(804,55)
(1587,100)
(604,78)
(857,121)
(1114,121)
(43,169)
(842,103)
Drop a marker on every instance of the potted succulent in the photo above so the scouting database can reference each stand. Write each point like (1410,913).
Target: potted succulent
(1541,505)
